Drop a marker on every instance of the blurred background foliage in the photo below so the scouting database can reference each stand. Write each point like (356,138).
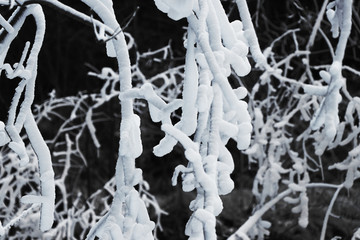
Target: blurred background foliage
(71,50)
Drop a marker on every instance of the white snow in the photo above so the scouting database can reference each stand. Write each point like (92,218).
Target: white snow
(176,9)
(4,138)
(130,139)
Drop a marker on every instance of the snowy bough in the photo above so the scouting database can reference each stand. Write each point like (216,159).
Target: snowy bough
(127,217)
(212,114)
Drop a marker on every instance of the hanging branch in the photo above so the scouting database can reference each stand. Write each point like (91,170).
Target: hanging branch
(127,216)
(221,114)
(327,114)
(24,117)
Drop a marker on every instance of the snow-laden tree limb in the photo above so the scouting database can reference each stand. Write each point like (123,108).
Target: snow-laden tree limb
(17,120)
(128,216)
